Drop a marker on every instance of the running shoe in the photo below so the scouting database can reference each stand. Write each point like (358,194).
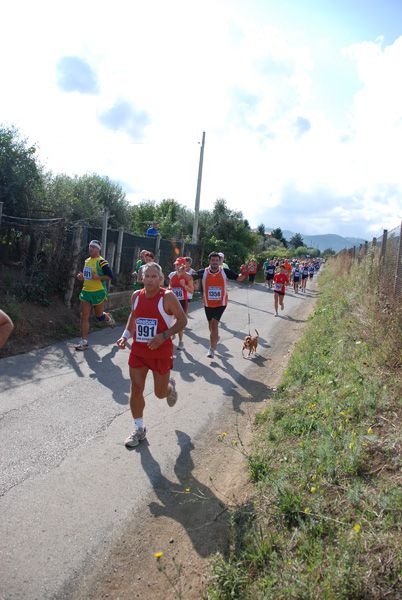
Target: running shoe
(211,353)
(172,399)
(82,345)
(135,437)
(180,345)
(111,322)
(276,314)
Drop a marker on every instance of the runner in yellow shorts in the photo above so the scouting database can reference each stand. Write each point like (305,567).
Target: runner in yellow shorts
(94,292)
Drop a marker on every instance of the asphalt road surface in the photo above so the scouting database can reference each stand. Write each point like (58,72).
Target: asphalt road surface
(67,482)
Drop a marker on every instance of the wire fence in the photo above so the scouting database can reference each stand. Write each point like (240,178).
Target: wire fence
(387,249)
(41,256)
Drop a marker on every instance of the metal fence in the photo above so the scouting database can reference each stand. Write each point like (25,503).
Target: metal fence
(50,251)
(387,249)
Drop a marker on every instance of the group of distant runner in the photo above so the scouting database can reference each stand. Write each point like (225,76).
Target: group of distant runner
(158,314)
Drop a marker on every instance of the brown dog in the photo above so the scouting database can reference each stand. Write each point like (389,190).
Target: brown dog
(250,343)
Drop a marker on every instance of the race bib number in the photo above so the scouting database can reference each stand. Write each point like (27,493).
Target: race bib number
(214,293)
(278,287)
(178,292)
(87,272)
(145,329)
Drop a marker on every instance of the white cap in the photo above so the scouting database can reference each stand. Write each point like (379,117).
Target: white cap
(221,254)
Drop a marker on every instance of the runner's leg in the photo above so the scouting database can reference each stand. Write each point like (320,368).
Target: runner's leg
(86,308)
(213,332)
(162,387)
(137,401)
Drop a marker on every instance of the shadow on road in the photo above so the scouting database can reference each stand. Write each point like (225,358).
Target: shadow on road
(107,373)
(189,502)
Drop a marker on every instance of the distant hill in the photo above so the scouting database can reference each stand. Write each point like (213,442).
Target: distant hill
(328,240)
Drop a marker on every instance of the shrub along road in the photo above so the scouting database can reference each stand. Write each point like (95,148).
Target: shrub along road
(82,516)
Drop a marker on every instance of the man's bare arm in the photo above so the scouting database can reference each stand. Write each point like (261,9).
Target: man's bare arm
(6,327)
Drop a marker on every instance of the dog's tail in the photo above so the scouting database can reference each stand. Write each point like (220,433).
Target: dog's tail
(257,332)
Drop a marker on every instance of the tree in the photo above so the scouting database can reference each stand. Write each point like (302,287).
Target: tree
(21,182)
(141,216)
(84,198)
(277,233)
(297,240)
(261,230)
(328,252)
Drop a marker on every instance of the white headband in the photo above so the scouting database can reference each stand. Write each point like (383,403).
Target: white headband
(95,244)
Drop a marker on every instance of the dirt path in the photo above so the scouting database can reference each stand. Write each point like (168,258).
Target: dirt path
(189,528)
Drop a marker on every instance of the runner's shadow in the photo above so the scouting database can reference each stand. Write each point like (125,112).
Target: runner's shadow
(191,503)
(108,374)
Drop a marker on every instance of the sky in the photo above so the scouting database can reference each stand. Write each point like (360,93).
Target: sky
(300,102)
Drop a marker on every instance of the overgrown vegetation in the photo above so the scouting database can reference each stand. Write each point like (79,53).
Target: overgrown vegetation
(28,191)
(326,521)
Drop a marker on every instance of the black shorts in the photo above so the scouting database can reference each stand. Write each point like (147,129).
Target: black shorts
(269,276)
(214,312)
(184,305)
(251,277)
(296,279)
(279,293)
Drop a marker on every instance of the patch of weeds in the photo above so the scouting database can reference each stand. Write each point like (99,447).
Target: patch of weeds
(289,502)
(326,462)
(258,466)
(121,314)
(12,307)
(39,289)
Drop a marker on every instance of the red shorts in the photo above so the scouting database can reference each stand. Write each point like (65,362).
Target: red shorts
(160,365)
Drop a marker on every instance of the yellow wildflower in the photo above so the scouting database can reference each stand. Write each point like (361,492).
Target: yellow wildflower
(158,554)
(370,431)
(357,528)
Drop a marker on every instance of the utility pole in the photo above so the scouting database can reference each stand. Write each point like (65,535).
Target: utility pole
(197,198)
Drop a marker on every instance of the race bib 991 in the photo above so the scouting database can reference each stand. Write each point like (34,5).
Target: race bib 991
(87,272)
(278,287)
(145,329)
(214,293)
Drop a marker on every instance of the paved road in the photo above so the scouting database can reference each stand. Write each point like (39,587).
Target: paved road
(65,473)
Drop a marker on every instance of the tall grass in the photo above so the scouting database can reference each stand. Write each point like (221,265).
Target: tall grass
(327,465)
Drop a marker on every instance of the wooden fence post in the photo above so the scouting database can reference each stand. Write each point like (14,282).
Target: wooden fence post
(104,231)
(384,244)
(75,252)
(398,269)
(136,257)
(157,248)
(118,251)
(111,251)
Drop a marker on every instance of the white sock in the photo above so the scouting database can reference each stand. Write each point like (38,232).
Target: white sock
(139,422)
(85,341)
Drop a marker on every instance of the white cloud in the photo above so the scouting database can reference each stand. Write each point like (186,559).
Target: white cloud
(159,74)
